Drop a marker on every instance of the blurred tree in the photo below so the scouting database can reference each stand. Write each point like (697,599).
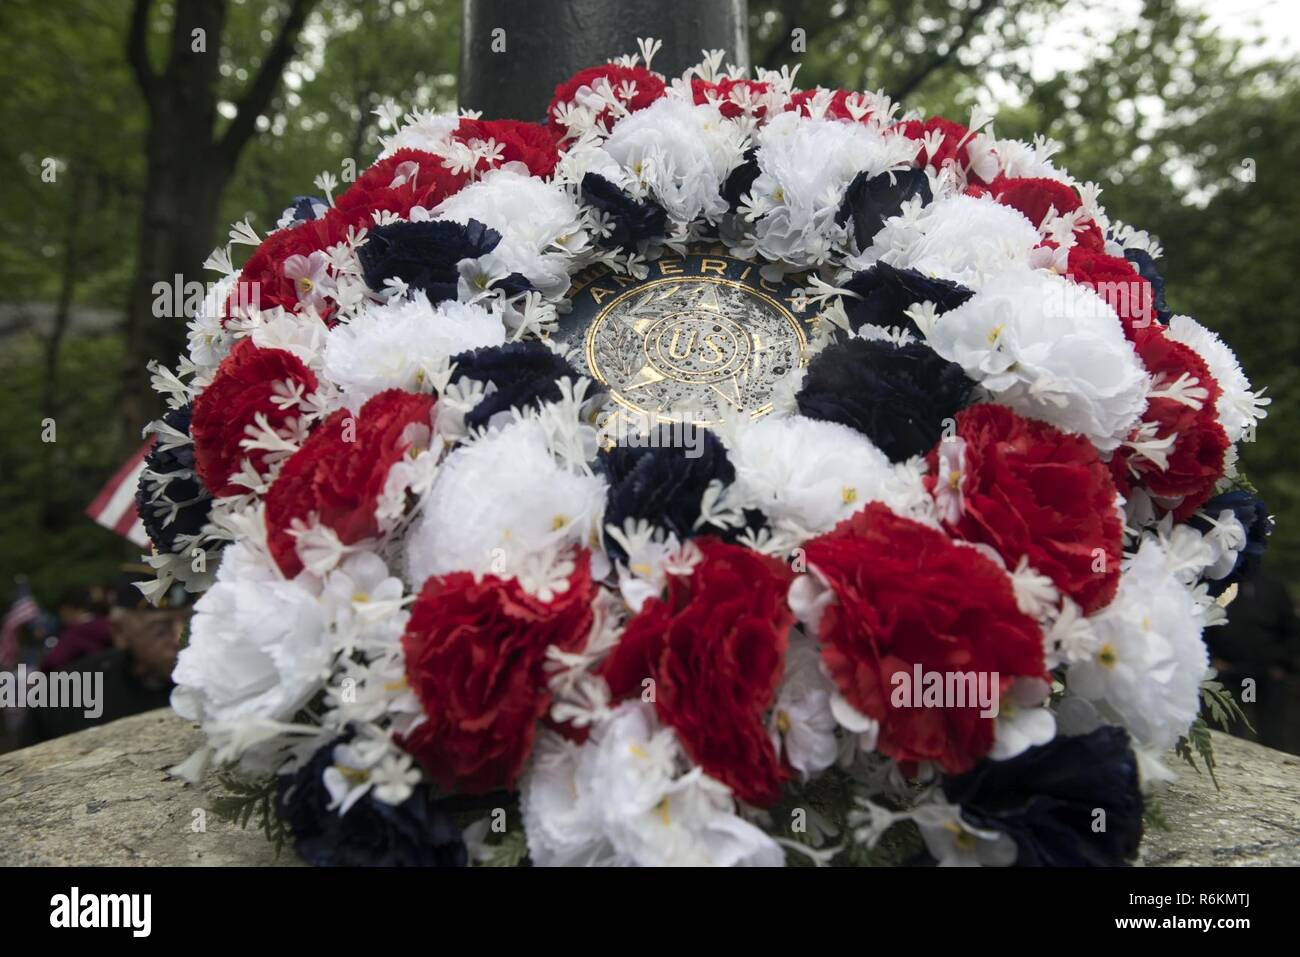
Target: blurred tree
(908,48)
(44,487)
(69,206)
(356,55)
(189,157)
(69,241)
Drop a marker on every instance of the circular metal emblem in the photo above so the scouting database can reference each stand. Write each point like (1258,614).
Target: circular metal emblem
(699,335)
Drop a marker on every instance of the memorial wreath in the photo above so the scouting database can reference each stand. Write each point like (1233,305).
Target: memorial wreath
(716,472)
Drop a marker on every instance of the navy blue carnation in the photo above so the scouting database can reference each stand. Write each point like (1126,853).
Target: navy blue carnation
(632,220)
(1146,267)
(424,255)
(897,396)
(663,482)
(740,180)
(1251,511)
(526,374)
(304,208)
(870,200)
(170,499)
(414,833)
(513,285)
(887,292)
(1047,798)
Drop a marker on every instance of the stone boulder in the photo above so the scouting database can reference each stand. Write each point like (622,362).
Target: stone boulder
(103,797)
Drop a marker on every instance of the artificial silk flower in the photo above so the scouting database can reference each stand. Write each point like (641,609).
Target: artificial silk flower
(438,564)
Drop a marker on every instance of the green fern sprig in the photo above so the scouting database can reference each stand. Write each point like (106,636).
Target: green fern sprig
(1223,707)
(251,802)
(1198,741)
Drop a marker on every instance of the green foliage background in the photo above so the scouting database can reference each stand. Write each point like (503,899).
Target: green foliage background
(1161,111)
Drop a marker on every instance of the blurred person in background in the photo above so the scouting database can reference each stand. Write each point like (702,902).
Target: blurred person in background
(136,667)
(101,599)
(84,629)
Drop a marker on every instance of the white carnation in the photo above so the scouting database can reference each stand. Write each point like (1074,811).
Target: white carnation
(807,475)
(805,165)
(960,238)
(1146,671)
(1051,349)
(502,505)
(259,646)
(621,799)
(681,153)
(404,344)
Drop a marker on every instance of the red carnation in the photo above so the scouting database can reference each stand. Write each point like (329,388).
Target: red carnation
(1036,196)
(407,179)
(907,595)
(954,150)
(475,650)
(702,91)
(1089,236)
(1195,462)
(715,649)
(838,109)
(262,283)
(340,471)
(1029,489)
(1116,281)
(649,87)
(532,144)
(245,384)
(397,184)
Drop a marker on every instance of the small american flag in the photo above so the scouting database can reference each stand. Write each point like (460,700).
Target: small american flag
(23,610)
(114,506)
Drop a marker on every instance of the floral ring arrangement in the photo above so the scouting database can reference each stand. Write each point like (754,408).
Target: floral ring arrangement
(717,472)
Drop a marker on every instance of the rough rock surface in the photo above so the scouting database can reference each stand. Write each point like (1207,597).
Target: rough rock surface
(1253,820)
(103,797)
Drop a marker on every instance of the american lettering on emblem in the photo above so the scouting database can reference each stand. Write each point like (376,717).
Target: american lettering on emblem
(696,337)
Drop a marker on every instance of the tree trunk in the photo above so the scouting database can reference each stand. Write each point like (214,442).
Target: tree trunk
(187,168)
(184,177)
(178,227)
(50,403)
(547,41)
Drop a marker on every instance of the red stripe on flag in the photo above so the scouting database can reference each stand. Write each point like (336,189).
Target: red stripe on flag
(23,610)
(106,493)
(114,506)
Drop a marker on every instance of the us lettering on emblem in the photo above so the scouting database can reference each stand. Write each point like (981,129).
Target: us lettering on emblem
(698,337)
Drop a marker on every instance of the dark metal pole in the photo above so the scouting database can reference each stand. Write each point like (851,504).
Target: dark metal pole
(547,41)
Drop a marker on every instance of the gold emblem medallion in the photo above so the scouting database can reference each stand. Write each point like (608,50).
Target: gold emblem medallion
(698,335)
